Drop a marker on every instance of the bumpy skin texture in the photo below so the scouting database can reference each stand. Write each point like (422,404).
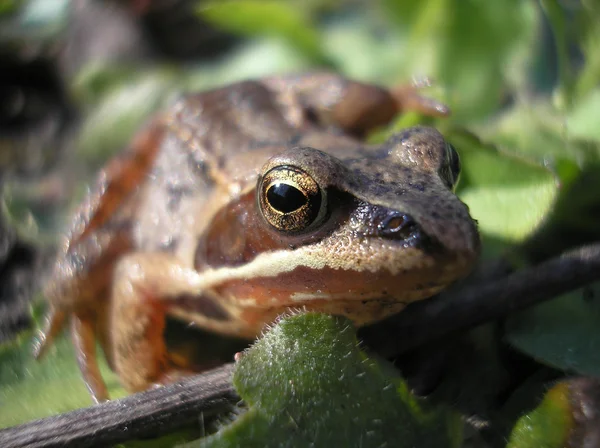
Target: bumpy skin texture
(181,223)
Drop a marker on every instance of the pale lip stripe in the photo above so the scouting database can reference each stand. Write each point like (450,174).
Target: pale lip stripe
(275,263)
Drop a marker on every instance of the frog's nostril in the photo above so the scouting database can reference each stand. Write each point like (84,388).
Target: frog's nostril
(398,226)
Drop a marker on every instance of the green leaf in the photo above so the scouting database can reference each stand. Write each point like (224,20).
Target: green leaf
(538,131)
(582,120)
(41,13)
(532,130)
(33,21)
(307,382)
(563,333)
(509,197)
(274,18)
(94,81)
(547,426)
(362,50)
(8,6)
(557,19)
(587,25)
(564,143)
(469,46)
(261,57)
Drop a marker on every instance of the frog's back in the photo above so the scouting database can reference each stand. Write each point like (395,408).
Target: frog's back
(181,151)
(148,197)
(101,227)
(213,149)
(239,203)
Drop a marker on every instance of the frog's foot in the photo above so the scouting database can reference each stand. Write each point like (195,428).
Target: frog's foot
(408,98)
(54,323)
(171,376)
(143,285)
(353,106)
(83,334)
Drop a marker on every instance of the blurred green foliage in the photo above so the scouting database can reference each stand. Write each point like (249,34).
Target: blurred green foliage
(31,389)
(32,21)
(7,6)
(284,20)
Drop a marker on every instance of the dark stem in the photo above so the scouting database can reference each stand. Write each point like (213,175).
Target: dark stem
(160,411)
(152,413)
(474,304)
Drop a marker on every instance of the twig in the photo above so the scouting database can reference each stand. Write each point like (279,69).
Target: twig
(478,303)
(164,410)
(151,413)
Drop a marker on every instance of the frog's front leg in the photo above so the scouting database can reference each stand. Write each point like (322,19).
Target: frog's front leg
(143,285)
(354,106)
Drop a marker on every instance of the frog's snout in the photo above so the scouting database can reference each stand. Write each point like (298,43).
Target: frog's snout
(397,225)
(389,224)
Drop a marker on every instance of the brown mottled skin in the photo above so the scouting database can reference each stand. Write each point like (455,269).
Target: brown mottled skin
(187,221)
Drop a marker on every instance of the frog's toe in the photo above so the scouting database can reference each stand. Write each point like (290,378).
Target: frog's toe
(172,376)
(408,98)
(54,323)
(83,334)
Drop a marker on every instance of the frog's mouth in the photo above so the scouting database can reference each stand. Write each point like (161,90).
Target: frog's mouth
(353,263)
(417,278)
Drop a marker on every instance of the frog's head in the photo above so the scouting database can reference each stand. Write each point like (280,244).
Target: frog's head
(346,227)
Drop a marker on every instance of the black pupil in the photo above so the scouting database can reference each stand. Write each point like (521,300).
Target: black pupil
(285,198)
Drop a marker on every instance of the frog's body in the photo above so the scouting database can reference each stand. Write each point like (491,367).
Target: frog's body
(242,202)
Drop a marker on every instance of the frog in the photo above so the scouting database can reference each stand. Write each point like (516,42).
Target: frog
(238,204)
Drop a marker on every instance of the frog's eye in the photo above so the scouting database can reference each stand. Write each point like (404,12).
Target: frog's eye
(450,171)
(289,198)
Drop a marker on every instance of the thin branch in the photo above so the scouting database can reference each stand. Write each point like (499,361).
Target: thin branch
(151,413)
(475,304)
(166,409)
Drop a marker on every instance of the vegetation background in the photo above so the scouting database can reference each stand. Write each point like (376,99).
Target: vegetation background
(521,77)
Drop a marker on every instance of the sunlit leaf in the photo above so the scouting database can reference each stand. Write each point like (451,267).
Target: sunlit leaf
(509,197)
(261,57)
(119,114)
(363,51)
(548,425)
(266,18)
(582,120)
(450,39)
